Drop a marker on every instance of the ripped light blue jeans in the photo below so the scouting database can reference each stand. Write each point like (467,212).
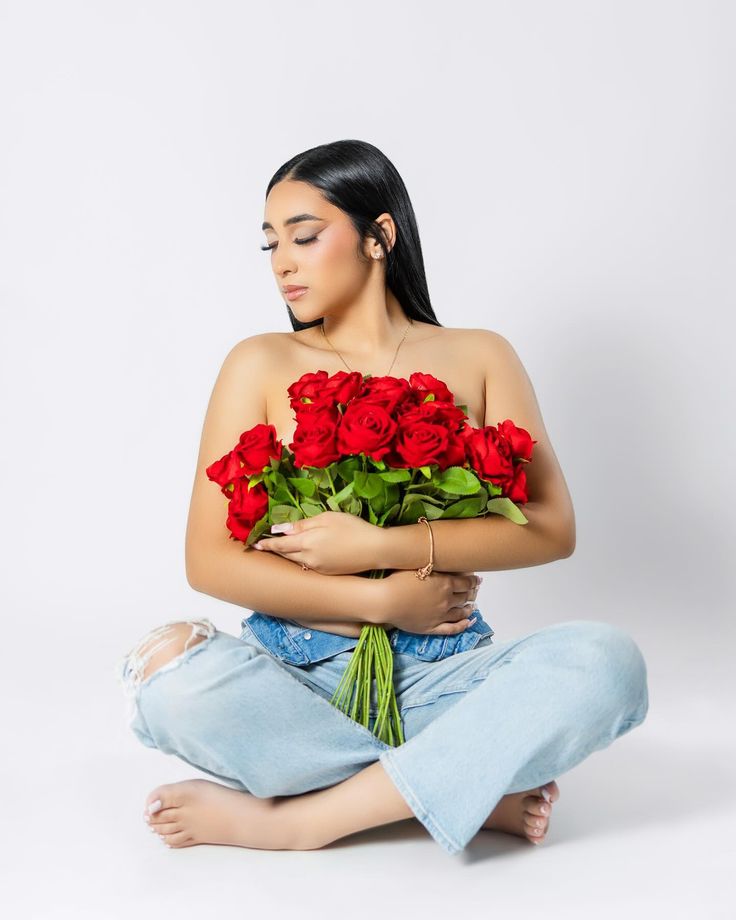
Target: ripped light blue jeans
(499,718)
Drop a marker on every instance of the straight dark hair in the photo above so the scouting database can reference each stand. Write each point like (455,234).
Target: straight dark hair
(359,179)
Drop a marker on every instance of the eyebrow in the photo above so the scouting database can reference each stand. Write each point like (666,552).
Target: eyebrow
(296,219)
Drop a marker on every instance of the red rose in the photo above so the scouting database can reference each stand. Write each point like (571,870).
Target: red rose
(315,438)
(308,386)
(247,506)
(424,384)
(366,427)
(489,455)
(225,472)
(341,387)
(423,439)
(519,439)
(256,447)
(517,489)
(438,412)
(392,393)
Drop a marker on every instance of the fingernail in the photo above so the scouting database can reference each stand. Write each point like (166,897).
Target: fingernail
(470,622)
(154,806)
(257,546)
(146,817)
(286,527)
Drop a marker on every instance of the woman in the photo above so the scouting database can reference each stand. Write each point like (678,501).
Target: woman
(488,726)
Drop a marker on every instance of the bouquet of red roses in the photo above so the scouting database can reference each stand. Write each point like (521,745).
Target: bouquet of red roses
(389,450)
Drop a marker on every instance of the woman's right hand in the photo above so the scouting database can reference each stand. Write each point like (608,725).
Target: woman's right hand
(441,604)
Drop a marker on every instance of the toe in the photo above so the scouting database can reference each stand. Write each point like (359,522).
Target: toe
(179,839)
(167,796)
(154,799)
(164,816)
(163,830)
(553,789)
(533,823)
(536,806)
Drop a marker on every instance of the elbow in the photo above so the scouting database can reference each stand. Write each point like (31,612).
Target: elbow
(194,579)
(567,543)
(194,570)
(565,537)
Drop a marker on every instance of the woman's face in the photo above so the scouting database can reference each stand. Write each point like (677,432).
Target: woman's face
(318,251)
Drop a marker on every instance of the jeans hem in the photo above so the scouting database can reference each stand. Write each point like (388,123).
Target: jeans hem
(421,813)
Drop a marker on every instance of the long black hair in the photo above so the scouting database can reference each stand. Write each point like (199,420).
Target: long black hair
(359,179)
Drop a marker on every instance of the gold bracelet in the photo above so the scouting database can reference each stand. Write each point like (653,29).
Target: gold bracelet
(426,569)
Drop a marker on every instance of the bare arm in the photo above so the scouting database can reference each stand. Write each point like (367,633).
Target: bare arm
(487,544)
(494,543)
(220,566)
(267,582)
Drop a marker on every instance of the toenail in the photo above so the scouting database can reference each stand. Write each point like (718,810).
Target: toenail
(147,818)
(154,806)
(544,809)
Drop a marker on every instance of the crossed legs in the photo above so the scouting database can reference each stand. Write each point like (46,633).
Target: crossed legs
(200,811)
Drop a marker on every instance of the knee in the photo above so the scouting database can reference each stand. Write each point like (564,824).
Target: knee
(163,647)
(614,664)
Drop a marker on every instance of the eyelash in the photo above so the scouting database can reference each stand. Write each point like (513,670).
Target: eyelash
(311,239)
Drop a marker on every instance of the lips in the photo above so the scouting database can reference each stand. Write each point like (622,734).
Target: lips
(292,291)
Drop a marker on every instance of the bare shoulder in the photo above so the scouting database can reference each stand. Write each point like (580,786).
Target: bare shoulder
(254,348)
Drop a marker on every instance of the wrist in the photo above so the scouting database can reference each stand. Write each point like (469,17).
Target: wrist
(374,601)
(404,546)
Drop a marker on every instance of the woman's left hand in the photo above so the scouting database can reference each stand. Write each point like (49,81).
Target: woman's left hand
(331,543)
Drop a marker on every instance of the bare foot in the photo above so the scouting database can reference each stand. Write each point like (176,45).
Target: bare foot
(199,811)
(524,813)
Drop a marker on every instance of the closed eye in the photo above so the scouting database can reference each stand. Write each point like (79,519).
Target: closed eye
(311,239)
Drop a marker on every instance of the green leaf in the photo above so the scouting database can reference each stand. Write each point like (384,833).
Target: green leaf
(456,480)
(282,513)
(383,520)
(465,508)
(260,527)
(396,476)
(507,508)
(346,468)
(341,495)
(304,486)
(368,485)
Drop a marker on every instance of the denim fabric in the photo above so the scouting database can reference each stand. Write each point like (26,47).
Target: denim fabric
(300,645)
(498,718)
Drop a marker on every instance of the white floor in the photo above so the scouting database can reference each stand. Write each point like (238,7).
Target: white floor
(644,828)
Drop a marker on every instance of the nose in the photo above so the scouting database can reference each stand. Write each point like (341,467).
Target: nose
(283,266)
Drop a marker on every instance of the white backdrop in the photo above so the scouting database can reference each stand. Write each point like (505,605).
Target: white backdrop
(571,168)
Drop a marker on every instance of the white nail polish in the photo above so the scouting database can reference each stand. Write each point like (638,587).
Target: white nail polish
(154,806)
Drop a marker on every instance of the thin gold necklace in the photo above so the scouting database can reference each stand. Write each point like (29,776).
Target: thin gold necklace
(322,327)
